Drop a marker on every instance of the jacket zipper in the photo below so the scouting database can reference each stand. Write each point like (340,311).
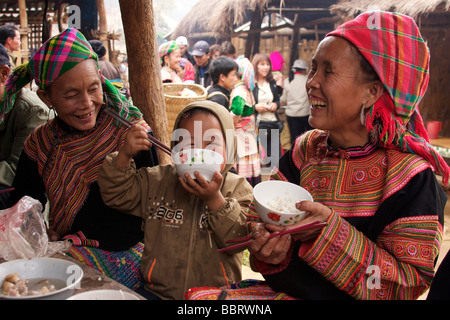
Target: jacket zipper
(150,273)
(191,243)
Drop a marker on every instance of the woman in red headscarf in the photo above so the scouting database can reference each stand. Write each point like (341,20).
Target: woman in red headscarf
(369,168)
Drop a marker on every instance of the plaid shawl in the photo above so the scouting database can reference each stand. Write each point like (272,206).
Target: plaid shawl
(56,56)
(393,45)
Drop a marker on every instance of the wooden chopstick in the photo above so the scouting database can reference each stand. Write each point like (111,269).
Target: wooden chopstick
(128,124)
(6,190)
(312,225)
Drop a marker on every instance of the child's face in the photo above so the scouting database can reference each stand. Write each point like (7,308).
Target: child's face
(228,81)
(204,132)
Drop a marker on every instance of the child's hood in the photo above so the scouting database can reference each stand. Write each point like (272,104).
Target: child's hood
(226,121)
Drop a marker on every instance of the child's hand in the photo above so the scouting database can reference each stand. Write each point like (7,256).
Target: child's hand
(207,191)
(136,140)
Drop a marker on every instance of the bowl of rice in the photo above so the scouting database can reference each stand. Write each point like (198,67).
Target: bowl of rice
(275,202)
(204,161)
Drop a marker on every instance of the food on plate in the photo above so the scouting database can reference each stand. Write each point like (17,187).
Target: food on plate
(14,286)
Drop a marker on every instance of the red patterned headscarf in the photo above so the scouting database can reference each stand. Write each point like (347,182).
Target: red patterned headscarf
(394,47)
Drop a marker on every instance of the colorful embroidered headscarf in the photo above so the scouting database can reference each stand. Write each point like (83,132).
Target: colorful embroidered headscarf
(167,48)
(246,72)
(56,56)
(394,47)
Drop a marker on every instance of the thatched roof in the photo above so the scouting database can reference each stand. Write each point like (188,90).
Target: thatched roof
(413,8)
(216,16)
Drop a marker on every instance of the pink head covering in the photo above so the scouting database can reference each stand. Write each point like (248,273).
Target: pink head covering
(277,61)
(394,47)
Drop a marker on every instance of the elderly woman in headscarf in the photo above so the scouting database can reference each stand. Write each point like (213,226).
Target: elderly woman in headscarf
(61,158)
(170,56)
(242,107)
(369,167)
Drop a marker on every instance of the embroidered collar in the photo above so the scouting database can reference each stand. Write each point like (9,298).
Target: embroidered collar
(326,149)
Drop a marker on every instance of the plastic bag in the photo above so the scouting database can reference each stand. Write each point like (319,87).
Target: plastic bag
(23,233)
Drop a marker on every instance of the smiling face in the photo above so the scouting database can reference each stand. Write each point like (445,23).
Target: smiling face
(76,95)
(263,68)
(336,90)
(173,59)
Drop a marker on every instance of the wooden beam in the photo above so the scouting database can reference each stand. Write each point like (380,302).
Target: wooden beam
(23,30)
(144,67)
(103,26)
(255,23)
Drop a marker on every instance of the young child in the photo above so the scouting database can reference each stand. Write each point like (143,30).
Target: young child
(223,75)
(185,221)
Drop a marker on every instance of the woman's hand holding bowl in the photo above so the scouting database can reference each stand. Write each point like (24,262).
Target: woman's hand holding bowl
(274,250)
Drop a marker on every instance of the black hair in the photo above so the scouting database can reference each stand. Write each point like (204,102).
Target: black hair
(227,48)
(4,57)
(98,48)
(221,65)
(8,30)
(368,72)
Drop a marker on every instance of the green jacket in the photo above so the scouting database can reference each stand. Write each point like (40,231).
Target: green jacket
(28,113)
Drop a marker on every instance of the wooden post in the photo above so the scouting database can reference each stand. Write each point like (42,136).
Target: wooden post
(144,67)
(103,27)
(295,40)
(23,15)
(252,44)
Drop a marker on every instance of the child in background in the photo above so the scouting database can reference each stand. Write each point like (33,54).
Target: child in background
(243,110)
(223,75)
(186,221)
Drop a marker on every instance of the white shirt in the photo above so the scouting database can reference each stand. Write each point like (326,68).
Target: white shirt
(295,96)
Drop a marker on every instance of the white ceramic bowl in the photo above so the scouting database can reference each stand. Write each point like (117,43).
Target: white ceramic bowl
(104,295)
(202,160)
(67,276)
(275,202)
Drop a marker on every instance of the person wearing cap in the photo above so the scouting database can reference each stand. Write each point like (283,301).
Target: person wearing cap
(202,58)
(183,44)
(295,99)
(27,113)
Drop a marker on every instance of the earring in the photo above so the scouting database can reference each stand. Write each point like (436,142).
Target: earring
(362,115)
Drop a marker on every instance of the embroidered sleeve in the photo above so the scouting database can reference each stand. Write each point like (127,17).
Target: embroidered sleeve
(398,266)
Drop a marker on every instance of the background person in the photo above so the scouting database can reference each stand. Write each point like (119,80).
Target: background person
(183,44)
(223,74)
(170,57)
(10,39)
(17,119)
(267,103)
(295,98)
(202,58)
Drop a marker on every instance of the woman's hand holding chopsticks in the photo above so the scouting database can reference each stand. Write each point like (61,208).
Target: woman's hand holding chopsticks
(269,250)
(136,140)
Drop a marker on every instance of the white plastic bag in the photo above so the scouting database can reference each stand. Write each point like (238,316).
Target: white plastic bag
(23,233)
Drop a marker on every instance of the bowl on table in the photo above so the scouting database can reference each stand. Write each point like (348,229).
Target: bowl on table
(275,202)
(205,161)
(104,295)
(64,275)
